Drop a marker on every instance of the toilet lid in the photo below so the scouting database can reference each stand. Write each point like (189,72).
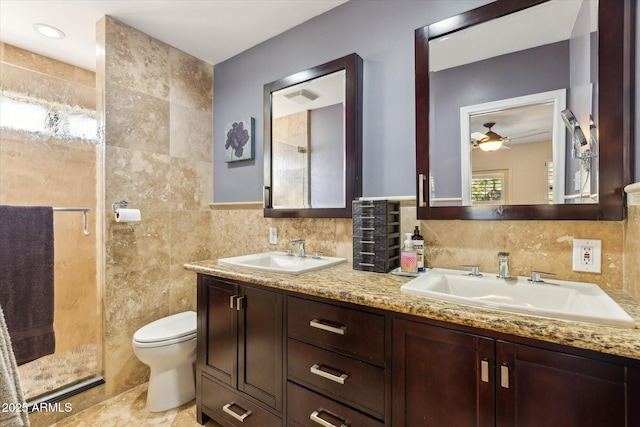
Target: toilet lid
(167,328)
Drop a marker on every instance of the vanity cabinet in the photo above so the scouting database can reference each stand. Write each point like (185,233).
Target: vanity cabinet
(336,368)
(444,377)
(239,378)
(271,357)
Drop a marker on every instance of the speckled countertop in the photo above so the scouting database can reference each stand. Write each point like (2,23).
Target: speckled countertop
(378,290)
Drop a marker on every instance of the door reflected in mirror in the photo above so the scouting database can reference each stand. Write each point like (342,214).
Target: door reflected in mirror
(522,137)
(308,144)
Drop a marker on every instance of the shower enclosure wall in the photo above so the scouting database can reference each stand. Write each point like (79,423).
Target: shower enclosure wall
(50,151)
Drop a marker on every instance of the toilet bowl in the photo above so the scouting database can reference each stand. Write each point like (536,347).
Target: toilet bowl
(168,347)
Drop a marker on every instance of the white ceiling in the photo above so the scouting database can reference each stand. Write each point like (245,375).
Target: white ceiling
(211,30)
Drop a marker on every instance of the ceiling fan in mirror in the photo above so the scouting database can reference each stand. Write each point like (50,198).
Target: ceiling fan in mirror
(488,141)
(492,141)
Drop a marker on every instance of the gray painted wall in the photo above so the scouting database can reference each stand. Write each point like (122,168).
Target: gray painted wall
(326,151)
(382,33)
(501,77)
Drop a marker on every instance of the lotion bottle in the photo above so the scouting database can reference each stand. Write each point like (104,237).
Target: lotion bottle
(408,256)
(418,246)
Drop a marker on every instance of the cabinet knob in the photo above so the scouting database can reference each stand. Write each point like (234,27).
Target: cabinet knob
(504,376)
(484,371)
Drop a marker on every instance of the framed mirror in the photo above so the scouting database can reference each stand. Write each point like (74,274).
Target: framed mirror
(495,91)
(313,141)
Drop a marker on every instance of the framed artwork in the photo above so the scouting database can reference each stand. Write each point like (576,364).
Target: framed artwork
(239,140)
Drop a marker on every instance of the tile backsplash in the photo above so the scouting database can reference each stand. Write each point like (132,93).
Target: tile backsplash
(533,245)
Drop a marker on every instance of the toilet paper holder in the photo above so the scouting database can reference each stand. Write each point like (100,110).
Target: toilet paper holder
(122,203)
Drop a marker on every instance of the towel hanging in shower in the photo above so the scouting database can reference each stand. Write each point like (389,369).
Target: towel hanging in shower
(26,279)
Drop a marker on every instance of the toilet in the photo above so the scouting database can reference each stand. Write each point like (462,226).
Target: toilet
(168,346)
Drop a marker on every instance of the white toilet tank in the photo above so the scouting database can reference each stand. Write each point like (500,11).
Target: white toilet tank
(172,329)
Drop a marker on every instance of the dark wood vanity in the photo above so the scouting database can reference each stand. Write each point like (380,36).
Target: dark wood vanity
(272,354)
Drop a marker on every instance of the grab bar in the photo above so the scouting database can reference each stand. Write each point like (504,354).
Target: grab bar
(85,212)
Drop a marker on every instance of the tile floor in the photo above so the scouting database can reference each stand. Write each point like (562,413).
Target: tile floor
(129,409)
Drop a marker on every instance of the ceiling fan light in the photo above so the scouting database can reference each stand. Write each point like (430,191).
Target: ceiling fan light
(491,145)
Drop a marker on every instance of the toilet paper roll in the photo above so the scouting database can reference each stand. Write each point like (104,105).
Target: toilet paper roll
(128,215)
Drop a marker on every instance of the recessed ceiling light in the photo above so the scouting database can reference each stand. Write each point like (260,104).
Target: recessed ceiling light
(49,31)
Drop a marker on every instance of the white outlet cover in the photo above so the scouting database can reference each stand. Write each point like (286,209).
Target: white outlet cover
(596,255)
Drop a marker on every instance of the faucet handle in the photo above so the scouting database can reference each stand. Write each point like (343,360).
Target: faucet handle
(316,254)
(475,270)
(289,252)
(535,276)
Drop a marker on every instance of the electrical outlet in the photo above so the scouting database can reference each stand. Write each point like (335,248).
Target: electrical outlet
(587,255)
(273,235)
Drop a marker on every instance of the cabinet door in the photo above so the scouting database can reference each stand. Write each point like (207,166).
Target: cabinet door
(441,377)
(219,355)
(260,345)
(538,387)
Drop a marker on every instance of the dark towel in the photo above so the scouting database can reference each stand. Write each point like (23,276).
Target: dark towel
(26,279)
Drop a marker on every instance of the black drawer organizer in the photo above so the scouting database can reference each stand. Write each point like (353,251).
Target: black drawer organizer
(376,235)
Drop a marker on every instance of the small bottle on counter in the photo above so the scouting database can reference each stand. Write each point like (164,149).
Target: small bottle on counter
(408,256)
(418,246)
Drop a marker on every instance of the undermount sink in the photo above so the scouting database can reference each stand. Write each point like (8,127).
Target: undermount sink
(280,262)
(554,299)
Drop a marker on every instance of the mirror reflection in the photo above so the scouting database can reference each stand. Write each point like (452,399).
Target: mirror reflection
(308,144)
(498,138)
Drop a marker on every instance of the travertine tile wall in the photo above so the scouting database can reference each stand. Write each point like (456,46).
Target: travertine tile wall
(533,245)
(157,110)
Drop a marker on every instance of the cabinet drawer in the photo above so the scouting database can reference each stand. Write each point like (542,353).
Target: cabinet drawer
(304,404)
(223,402)
(345,379)
(345,330)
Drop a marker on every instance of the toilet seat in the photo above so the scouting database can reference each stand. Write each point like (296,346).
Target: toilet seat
(167,331)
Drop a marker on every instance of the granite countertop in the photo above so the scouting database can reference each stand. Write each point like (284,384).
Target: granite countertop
(378,290)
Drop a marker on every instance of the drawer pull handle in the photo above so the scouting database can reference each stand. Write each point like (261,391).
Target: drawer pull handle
(368,242)
(315,323)
(484,371)
(367,253)
(227,408)
(315,417)
(367,264)
(367,217)
(315,369)
(368,206)
(367,228)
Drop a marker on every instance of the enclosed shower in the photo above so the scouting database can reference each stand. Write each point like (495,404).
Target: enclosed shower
(50,155)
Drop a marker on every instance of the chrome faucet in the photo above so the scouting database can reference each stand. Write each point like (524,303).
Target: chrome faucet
(503,266)
(301,247)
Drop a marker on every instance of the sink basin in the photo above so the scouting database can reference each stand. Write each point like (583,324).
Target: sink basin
(554,299)
(279,262)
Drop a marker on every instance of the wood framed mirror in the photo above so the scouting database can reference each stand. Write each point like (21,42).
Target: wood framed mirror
(313,141)
(610,95)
